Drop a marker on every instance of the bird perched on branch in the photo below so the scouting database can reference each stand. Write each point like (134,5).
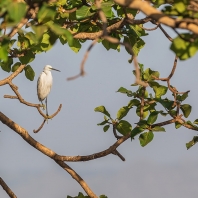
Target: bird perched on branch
(44,84)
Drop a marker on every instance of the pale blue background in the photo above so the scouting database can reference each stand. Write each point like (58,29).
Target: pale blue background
(162,169)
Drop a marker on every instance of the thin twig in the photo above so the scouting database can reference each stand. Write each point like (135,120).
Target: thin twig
(115,152)
(165,33)
(82,71)
(37,130)
(149,29)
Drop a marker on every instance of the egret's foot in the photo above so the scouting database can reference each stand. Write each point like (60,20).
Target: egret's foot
(43,106)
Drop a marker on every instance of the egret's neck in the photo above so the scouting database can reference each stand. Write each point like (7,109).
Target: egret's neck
(47,72)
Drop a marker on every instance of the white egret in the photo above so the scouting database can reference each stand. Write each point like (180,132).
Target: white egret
(44,84)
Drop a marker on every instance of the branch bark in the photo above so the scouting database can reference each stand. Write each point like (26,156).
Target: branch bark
(46,151)
(7,189)
(157,15)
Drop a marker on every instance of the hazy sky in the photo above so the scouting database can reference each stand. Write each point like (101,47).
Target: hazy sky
(162,169)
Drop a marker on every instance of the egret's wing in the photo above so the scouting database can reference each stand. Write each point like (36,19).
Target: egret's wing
(44,85)
(39,87)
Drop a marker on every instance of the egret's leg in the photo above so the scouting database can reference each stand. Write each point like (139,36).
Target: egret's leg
(46,106)
(43,105)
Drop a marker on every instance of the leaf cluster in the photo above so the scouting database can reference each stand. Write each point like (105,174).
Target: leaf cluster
(149,107)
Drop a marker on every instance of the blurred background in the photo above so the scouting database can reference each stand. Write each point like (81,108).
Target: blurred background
(164,168)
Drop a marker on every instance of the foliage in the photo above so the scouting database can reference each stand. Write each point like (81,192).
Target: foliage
(61,20)
(153,105)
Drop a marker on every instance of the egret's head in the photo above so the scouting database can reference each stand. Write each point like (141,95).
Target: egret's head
(49,68)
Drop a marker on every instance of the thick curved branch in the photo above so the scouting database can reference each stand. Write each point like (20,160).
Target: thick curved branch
(25,135)
(157,15)
(104,153)
(46,151)
(7,189)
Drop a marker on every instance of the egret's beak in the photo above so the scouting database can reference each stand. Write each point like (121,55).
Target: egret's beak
(55,69)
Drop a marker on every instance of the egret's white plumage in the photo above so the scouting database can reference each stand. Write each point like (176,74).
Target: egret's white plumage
(44,83)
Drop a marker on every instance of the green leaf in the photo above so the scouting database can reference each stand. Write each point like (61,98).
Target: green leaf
(177,125)
(60,2)
(108,45)
(145,138)
(145,111)
(39,30)
(46,14)
(192,142)
(152,117)
(143,124)
(136,43)
(133,102)
(196,121)
(159,90)
(28,57)
(184,49)
(6,66)
(103,196)
(106,7)
(16,66)
(186,109)
(4,46)
(122,112)
(191,124)
(80,195)
(158,129)
(16,11)
(168,104)
(180,6)
(84,12)
(60,31)
(103,123)
(125,91)
(103,110)
(148,74)
(124,127)
(106,127)
(75,45)
(32,38)
(136,131)
(184,96)
(29,72)
(23,43)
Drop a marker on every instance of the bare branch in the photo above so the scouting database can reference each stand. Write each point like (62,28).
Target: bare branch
(115,152)
(7,189)
(46,151)
(82,71)
(165,33)
(77,178)
(37,130)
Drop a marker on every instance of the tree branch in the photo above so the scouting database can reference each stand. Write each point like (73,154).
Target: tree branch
(46,151)
(7,189)
(157,15)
